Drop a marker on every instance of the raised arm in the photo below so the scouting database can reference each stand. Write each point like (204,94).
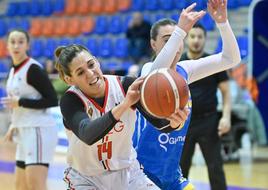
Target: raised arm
(187,19)
(230,55)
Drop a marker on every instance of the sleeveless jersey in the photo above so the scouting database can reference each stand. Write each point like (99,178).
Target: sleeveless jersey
(17,86)
(115,150)
(158,152)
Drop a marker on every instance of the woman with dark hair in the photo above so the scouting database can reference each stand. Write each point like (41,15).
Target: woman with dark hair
(30,93)
(99,112)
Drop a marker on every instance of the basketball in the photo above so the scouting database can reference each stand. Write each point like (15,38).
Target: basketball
(163,91)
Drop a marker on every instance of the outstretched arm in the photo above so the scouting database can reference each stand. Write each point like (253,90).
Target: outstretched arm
(230,55)
(186,21)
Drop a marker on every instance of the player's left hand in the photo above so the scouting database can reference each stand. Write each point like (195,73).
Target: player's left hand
(224,126)
(218,10)
(10,102)
(178,117)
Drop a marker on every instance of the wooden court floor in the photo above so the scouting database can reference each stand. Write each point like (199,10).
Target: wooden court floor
(252,175)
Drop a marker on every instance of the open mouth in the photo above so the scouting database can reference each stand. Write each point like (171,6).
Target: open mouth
(95,81)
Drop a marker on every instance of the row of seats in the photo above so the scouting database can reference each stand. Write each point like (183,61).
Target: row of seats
(74,7)
(60,26)
(35,8)
(104,48)
(155,5)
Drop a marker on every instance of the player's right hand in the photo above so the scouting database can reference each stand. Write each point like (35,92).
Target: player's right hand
(188,17)
(133,93)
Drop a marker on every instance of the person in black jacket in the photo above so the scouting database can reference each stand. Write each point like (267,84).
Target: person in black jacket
(138,35)
(205,128)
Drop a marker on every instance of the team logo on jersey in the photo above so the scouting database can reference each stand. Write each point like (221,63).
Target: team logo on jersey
(90,112)
(164,139)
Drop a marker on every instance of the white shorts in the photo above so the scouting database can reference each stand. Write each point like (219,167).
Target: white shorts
(36,145)
(131,178)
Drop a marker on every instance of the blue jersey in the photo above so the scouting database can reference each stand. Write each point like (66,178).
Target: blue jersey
(159,153)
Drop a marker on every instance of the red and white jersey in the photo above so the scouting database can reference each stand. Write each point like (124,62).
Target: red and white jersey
(17,86)
(114,151)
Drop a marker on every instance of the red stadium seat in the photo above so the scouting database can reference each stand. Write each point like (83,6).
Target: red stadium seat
(83,7)
(36,27)
(75,28)
(96,6)
(3,49)
(124,5)
(71,7)
(110,6)
(48,30)
(88,25)
(61,26)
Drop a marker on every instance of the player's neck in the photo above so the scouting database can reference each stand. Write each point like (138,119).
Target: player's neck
(194,55)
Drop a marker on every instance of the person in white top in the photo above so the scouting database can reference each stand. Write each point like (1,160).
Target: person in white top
(30,93)
(99,115)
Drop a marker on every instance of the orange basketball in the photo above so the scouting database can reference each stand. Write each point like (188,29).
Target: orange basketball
(163,91)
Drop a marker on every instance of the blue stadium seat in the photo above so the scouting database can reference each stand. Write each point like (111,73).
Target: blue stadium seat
(243,46)
(101,25)
(3,93)
(207,22)
(47,8)
(35,8)
(137,5)
(219,46)
(58,6)
(158,16)
(166,5)
(12,24)
(126,22)
(151,5)
(12,8)
(121,48)
(3,28)
(78,41)
(36,49)
(64,41)
(50,46)
(92,46)
(175,17)
(233,4)
(106,48)
(3,68)
(24,24)
(179,4)
(116,25)
(23,9)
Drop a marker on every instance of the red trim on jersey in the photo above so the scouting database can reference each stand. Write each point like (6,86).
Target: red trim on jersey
(21,65)
(67,180)
(101,109)
(71,91)
(121,86)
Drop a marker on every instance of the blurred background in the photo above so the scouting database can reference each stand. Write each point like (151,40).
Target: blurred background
(102,26)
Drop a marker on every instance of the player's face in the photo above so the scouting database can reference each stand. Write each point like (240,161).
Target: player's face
(164,33)
(196,40)
(163,36)
(17,46)
(86,75)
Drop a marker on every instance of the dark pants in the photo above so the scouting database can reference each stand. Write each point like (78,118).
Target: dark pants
(203,130)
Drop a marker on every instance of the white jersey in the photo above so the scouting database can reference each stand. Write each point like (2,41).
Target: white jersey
(17,86)
(114,151)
